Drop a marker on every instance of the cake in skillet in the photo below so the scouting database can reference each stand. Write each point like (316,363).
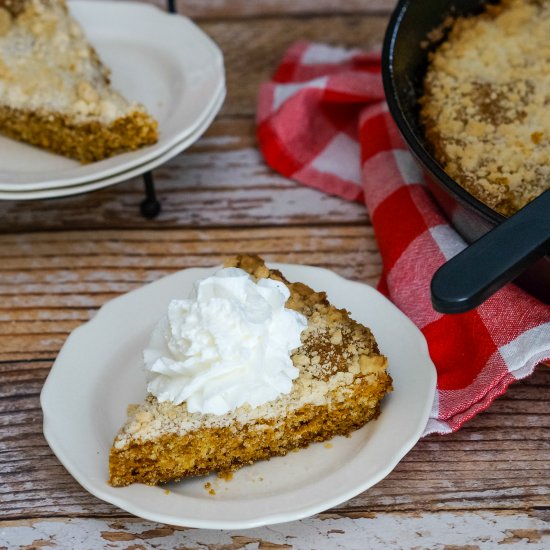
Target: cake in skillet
(332,383)
(486,103)
(55,91)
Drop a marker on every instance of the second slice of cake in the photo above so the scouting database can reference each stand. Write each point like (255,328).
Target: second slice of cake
(55,92)
(334,385)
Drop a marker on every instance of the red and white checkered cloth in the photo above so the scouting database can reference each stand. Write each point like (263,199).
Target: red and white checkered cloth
(323,121)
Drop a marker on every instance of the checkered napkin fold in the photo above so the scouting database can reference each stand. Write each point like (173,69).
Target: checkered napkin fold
(322,120)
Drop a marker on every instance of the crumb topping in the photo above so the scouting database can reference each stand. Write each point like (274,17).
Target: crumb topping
(47,65)
(335,354)
(486,106)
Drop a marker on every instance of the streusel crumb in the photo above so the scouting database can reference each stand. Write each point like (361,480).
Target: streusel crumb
(486,106)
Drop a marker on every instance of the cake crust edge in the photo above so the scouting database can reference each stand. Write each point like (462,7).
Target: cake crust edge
(85,141)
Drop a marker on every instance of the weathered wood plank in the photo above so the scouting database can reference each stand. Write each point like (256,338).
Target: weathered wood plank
(216,9)
(120,249)
(471,530)
(221,181)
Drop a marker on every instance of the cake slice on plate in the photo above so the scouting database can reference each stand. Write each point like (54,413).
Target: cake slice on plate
(55,91)
(232,383)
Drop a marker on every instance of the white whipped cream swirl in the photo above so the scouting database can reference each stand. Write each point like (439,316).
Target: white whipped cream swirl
(227,345)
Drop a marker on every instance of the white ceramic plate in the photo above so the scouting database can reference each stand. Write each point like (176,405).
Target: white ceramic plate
(159,59)
(57,192)
(98,373)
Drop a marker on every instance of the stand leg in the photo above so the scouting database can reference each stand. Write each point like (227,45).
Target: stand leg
(150,206)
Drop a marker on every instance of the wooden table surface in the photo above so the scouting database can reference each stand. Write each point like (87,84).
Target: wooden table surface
(62,259)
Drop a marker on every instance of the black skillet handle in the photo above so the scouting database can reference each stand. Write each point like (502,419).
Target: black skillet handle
(469,278)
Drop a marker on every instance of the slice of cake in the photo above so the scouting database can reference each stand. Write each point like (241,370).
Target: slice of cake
(195,421)
(54,90)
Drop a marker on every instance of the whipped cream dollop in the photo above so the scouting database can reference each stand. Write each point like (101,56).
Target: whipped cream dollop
(227,345)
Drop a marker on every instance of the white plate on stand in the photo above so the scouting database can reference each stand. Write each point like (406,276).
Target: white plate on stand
(58,192)
(160,59)
(99,372)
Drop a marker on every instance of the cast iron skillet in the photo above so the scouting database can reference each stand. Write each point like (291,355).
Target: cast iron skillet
(522,241)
